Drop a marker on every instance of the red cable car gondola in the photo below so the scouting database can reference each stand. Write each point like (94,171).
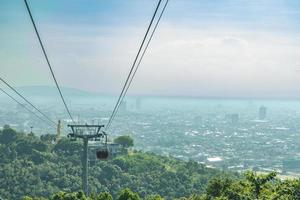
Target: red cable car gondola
(103,152)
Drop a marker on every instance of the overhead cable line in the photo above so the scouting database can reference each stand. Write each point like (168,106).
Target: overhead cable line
(140,60)
(24,106)
(48,62)
(130,75)
(132,67)
(27,101)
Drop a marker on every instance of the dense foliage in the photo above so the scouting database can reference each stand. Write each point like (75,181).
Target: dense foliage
(35,166)
(249,187)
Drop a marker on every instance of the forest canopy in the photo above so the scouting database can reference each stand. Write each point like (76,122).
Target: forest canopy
(34,167)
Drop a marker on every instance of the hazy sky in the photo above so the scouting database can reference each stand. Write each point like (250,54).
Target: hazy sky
(237,48)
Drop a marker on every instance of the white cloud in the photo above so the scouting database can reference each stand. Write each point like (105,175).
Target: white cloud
(180,60)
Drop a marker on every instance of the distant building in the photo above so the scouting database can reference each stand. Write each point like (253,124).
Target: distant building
(235,118)
(123,106)
(232,118)
(138,103)
(215,162)
(262,113)
(198,120)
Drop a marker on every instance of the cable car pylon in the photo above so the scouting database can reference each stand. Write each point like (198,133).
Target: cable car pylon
(58,132)
(88,132)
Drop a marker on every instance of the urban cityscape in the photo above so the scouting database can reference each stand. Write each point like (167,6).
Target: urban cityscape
(237,135)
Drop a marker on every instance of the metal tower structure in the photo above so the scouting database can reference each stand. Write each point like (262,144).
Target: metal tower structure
(86,133)
(58,131)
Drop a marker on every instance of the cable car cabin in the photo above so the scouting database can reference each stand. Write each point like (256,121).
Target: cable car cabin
(102,153)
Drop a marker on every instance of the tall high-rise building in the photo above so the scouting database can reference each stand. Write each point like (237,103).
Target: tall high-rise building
(232,118)
(123,106)
(138,103)
(262,113)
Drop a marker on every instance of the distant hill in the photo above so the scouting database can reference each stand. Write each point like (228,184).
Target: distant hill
(52,91)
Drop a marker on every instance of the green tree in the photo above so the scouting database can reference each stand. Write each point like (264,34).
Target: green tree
(8,135)
(6,126)
(49,138)
(124,140)
(67,147)
(104,196)
(154,197)
(218,186)
(258,181)
(69,196)
(127,194)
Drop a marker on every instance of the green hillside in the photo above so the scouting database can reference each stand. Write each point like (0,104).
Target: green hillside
(36,168)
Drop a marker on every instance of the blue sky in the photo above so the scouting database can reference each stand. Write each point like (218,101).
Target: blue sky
(201,48)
